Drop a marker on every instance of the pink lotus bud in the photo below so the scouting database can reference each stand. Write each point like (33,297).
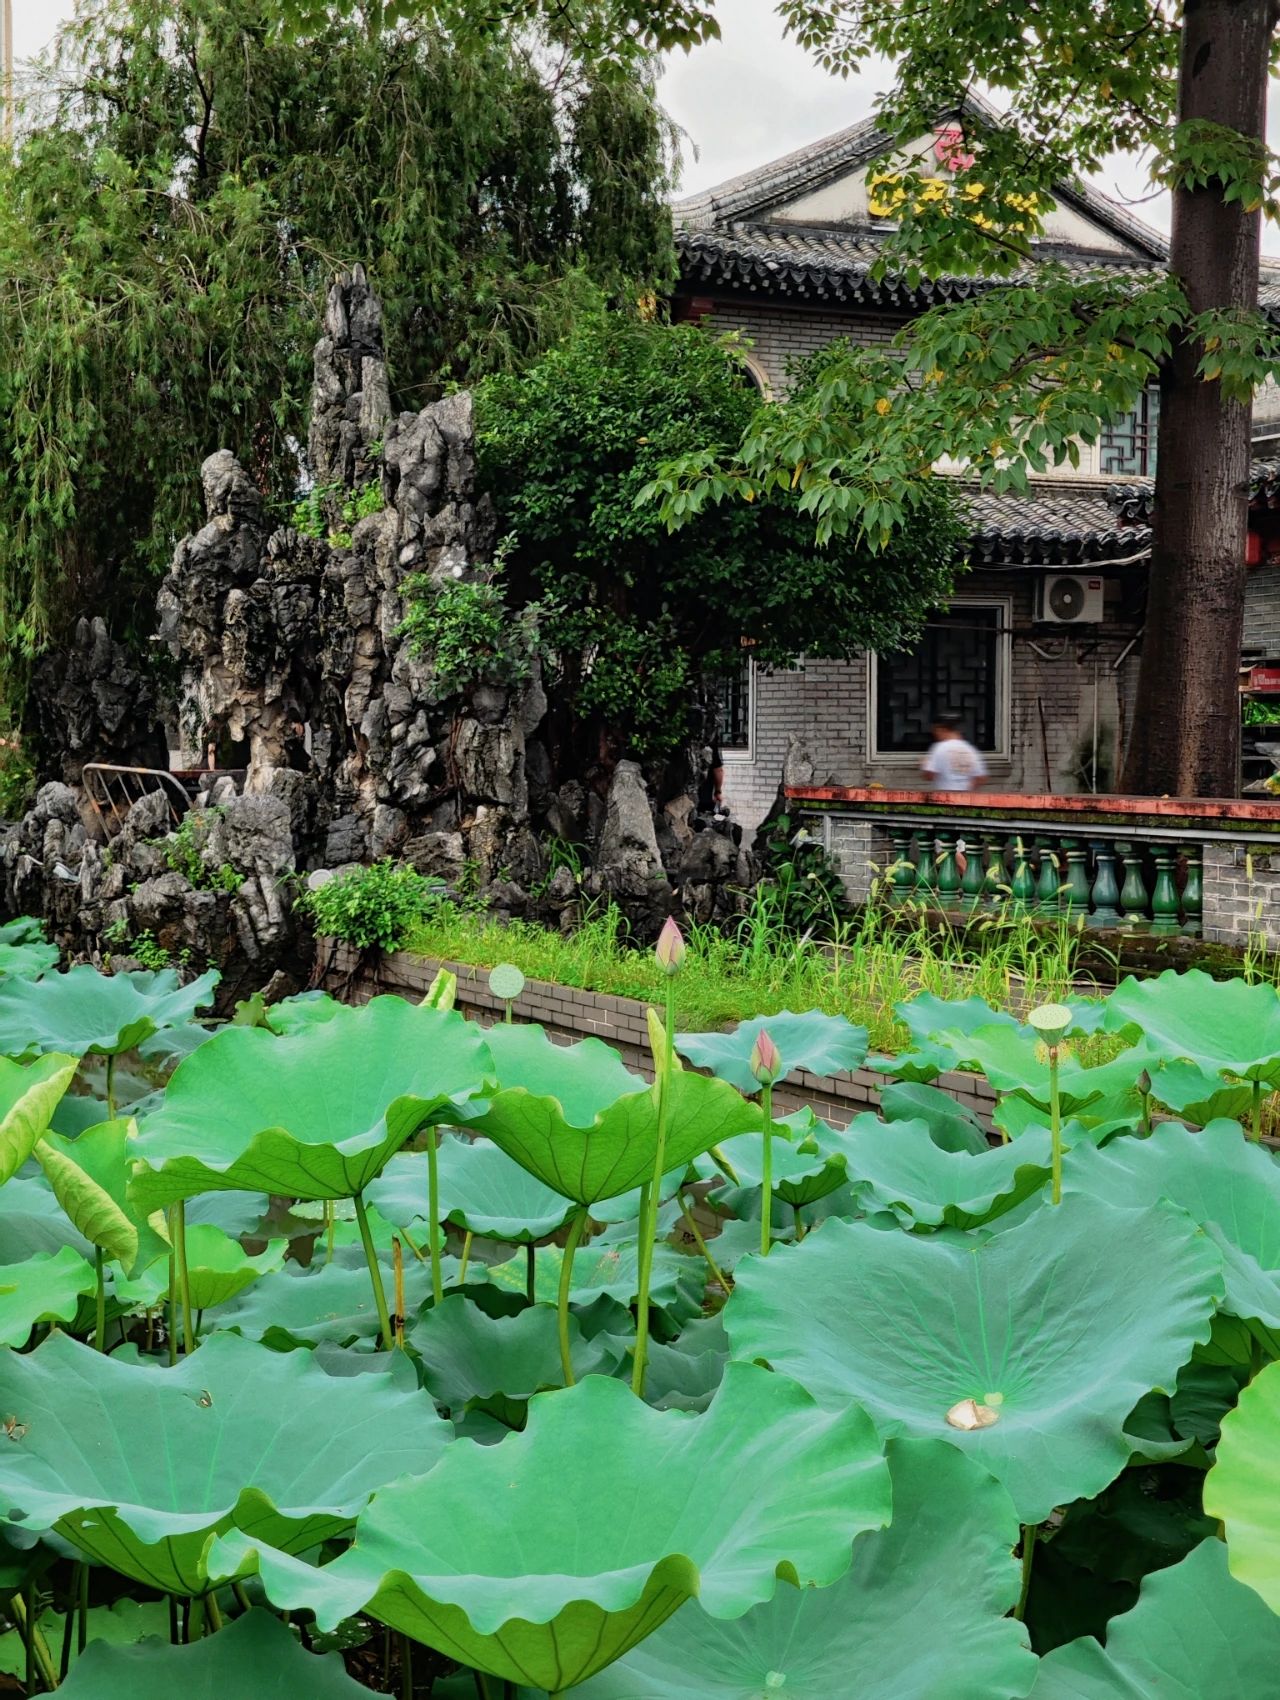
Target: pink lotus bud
(766,1059)
(670,947)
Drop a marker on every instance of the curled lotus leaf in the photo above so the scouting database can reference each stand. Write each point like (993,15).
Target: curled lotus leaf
(294,1307)
(1225,1026)
(303,1010)
(580,1121)
(218,1269)
(609,1268)
(1195,1634)
(27,961)
(763,1485)
(902,1168)
(32,1220)
(481,1189)
(44,1288)
(1200,1095)
(1014,1059)
(139,1466)
(950,1127)
(89,1176)
(84,1013)
(28,1098)
(1242,1487)
(943,1567)
(256,1653)
(817,1043)
(312,1115)
(807,1158)
(1060,1324)
(471,1357)
(927,1016)
(1227,1185)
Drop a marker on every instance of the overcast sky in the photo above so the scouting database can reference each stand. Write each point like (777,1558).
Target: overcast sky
(744,100)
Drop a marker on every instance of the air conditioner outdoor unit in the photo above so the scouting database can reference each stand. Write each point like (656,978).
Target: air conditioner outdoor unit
(1069,599)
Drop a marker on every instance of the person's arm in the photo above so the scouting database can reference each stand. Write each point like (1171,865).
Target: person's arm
(927,762)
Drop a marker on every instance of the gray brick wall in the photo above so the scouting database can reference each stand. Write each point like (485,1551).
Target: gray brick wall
(1242,895)
(779,335)
(1262,611)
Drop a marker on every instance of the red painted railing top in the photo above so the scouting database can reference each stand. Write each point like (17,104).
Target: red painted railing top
(1027,802)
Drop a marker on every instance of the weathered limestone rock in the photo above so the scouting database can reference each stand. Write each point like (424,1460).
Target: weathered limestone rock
(90,702)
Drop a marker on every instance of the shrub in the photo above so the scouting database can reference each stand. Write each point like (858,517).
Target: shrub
(377,907)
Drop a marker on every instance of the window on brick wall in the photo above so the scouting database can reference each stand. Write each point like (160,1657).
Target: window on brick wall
(735,701)
(960,666)
(1127,449)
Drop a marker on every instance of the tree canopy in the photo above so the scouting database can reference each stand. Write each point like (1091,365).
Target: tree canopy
(632,618)
(189,177)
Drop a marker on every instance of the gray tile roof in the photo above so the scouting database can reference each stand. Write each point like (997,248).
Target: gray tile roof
(1052,525)
(1135,500)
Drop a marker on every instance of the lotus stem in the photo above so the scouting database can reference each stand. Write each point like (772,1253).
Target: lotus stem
(241,1598)
(701,1243)
(111,1088)
(69,1621)
(1028,1553)
(766,1170)
(330,1229)
(531,1272)
(651,1196)
(433,1211)
(38,1655)
(1255,1125)
(406,1667)
(375,1274)
(212,1615)
(195,1618)
(175,1637)
(397,1263)
(566,1284)
(173,1301)
(82,1639)
(1055,1123)
(184,1276)
(799,1220)
(100,1317)
(466,1258)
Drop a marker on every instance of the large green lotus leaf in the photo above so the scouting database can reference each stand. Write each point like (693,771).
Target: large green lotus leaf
(535,1586)
(90,1177)
(1226,1184)
(950,1126)
(926,1016)
(820,1044)
(300,1307)
(905,1170)
(1059,1326)
(922,1614)
(1097,1121)
(303,1010)
(574,1116)
(26,961)
(1226,1026)
(470,1357)
(31,1220)
(139,1466)
(676,1283)
(684,1375)
(46,1288)
(312,1116)
(23,929)
(84,1012)
(1243,1487)
(254,1658)
(123,1624)
(1014,1059)
(1198,1094)
(807,1163)
(218,1269)
(481,1189)
(1195,1634)
(28,1097)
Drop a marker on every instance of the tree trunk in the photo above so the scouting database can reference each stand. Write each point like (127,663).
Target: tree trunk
(1186,724)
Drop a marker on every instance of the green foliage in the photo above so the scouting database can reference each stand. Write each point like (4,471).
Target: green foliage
(17,777)
(808,891)
(465,628)
(376,907)
(329,512)
(632,619)
(188,181)
(183,852)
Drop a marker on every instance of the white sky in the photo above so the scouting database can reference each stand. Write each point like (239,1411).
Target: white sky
(744,100)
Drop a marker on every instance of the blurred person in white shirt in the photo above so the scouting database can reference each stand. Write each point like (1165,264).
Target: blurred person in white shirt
(952,763)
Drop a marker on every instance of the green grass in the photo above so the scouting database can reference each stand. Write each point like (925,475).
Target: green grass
(880,958)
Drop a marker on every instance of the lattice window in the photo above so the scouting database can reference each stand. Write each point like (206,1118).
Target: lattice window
(954,669)
(1128,448)
(733,702)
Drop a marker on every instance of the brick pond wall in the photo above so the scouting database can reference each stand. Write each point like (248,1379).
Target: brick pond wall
(569,1014)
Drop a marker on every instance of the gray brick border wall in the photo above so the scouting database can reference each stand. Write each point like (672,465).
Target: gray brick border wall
(569,1014)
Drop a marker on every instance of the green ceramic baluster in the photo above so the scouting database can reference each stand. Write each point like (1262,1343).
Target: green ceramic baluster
(1048,901)
(1106,892)
(948,871)
(1193,891)
(1133,893)
(974,873)
(1076,884)
(1164,899)
(995,882)
(902,870)
(1023,887)
(927,866)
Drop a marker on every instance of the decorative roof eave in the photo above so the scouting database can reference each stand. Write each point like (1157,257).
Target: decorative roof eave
(1135,501)
(1054,524)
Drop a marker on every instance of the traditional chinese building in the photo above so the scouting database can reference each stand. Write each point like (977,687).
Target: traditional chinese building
(1038,651)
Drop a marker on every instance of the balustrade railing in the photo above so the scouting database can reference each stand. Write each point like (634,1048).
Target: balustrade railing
(1108,882)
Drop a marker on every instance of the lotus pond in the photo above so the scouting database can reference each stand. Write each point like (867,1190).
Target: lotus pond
(351,1350)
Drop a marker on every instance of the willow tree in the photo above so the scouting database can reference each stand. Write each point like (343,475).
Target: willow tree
(186,181)
(1014,379)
